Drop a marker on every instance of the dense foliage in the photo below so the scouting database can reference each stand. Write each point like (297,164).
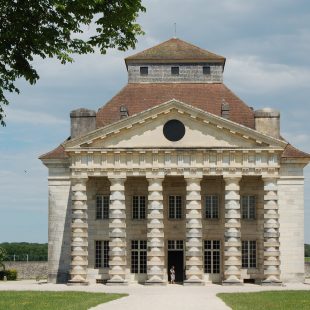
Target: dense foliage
(3,255)
(58,28)
(11,274)
(307,250)
(35,251)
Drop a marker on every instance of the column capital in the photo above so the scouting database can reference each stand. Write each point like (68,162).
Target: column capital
(232,178)
(270,178)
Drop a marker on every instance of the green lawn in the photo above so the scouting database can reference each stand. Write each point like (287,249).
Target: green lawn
(30,300)
(307,259)
(273,300)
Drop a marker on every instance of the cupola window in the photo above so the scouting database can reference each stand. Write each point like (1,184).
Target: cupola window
(206,70)
(144,70)
(175,70)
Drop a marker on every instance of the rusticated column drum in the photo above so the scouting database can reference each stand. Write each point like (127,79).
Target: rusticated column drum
(155,233)
(232,255)
(194,264)
(79,229)
(117,232)
(271,233)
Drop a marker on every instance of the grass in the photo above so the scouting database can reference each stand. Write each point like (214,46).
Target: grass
(307,259)
(31,300)
(273,300)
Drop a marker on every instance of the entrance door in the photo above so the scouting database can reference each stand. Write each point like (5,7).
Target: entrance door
(175,258)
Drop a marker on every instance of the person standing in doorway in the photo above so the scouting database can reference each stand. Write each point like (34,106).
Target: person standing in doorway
(172,275)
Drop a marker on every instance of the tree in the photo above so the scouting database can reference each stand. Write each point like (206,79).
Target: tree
(53,28)
(2,257)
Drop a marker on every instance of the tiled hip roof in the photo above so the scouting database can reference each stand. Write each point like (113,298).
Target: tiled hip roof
(138,97)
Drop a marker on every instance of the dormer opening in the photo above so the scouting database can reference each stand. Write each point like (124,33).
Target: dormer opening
(123,112)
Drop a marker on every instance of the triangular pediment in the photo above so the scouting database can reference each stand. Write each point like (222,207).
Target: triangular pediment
(202,130)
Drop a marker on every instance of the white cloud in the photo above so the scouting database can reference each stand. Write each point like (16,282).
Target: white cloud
(251,75)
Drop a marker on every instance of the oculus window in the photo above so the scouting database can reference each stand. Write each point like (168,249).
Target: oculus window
(174,130)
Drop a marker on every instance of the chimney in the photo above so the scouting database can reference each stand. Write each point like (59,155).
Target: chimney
(267,121)
(225,109)
(82,122)
(123,111)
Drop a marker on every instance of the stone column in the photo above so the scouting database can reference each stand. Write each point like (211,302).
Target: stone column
(155,233)
(271,233)
(117,232)
(194,262)
(79,229)
(232,255)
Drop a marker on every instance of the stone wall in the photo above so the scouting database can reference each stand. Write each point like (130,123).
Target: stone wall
(161,73)
(28,270)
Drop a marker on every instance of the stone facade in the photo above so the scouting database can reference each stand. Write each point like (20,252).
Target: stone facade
(220,202)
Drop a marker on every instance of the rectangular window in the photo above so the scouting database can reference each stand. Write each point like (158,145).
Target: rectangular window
(138,256)
(212,207)
(144,70)
(102,207)
(206,70)
(175,244)
(249,254)
(248,207)
(212,256)
(102,254)
(175,70)
(138,207)
(175,207)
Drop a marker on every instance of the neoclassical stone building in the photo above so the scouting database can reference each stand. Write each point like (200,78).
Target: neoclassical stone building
(176,170)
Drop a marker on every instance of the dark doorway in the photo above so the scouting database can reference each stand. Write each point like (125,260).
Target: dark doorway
(175,258)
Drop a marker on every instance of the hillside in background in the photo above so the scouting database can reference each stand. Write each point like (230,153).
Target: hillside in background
(23,251)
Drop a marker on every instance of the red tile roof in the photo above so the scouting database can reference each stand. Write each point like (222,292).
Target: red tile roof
(175,50)
(57,153)
(292,152)
(138,97)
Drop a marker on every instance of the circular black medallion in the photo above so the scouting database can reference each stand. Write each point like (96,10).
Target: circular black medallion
(174,130)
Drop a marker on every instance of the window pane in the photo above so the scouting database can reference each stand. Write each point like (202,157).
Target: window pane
(178,207)
(106,254)
(106,204)
(99,207)
(135,207)
(98,254)
(142,207)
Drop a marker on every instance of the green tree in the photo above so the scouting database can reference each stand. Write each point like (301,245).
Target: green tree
(53,28)
(2,257)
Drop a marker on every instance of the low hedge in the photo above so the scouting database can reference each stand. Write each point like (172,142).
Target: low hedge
(11,274)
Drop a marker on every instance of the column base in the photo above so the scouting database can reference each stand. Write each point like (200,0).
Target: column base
(77,283)
(150,283)
(194,283)
(230,283)
(271,283)
(114,283)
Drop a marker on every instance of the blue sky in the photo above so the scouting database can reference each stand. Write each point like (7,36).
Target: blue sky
(267,46)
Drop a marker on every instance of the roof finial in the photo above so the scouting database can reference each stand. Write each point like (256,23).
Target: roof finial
(175,30)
